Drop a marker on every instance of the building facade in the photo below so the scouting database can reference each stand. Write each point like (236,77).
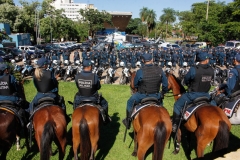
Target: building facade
(71,9)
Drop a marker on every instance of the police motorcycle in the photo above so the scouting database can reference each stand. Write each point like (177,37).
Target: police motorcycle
(16,67)
(126,74)
(182,72)
(98,70)
(138,64)
(57,69)
(217,76)
(28,69)
(109,79)
(169,68)
(76,68)
(67,70)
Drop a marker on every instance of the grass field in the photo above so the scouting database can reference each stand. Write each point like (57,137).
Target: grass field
(111,146)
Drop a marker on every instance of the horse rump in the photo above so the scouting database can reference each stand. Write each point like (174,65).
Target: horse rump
(48,136)
(85,143)
(222,139)
(160,134)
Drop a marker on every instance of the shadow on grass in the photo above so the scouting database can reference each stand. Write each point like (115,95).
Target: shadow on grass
(30,154)
(108,135)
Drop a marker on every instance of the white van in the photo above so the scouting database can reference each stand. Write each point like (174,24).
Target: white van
(201,44)
(232,44)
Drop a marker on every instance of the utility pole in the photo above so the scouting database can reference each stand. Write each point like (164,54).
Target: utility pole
(207,10)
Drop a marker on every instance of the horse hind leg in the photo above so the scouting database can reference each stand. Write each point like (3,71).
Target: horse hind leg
(144,143)
(18,143)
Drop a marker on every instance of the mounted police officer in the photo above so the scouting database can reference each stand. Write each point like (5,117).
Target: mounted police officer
(198,80)
(11,90)
(233,83)
(46,85)
(88,85)
(148,81)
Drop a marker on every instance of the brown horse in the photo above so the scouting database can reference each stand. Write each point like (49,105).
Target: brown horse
(9,128)
(85,131)
(50,125)
(150,130)
(209,123)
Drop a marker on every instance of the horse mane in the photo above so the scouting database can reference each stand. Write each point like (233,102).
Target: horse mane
(182,89)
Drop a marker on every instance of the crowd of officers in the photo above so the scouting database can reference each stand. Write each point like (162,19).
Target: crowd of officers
(161,56)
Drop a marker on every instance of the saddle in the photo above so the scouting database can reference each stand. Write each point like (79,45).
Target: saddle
(92,101)
(145,103)
(11,107)
(43,102)
(230,106)
(192,107)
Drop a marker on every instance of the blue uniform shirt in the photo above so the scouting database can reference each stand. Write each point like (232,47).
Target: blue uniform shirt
(232,79)
(190,76)
(139,76)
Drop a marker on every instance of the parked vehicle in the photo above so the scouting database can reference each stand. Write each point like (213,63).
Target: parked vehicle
(232,44)
(7,57)
(85,46)
(28,69)
(132,38)
(17,54)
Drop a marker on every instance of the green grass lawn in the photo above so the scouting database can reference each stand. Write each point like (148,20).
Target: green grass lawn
(111,145)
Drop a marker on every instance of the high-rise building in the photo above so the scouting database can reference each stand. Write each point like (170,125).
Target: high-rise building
(71,9)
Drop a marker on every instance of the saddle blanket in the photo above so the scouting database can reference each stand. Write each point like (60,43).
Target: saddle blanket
(139,107)
(189,111)
(93,105)
(13,111)
(230,107)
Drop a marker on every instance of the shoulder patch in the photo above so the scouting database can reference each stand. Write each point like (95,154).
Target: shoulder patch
(230,75)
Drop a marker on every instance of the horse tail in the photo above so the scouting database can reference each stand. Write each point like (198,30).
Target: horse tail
(46,140)
(222,139)
(159,140)
(85,143)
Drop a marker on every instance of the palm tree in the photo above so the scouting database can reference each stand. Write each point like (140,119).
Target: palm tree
(143,13)
(151,20)
(168,17)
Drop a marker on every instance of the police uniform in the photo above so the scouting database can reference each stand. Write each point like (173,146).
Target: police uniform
(76,56)
(233,82)
(47,86)
(198,80)
(148,81)
(88,85)
(66,55)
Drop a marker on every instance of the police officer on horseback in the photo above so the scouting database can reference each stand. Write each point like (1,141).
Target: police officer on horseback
(198,80)
(233,83)
(46,85)
(11,90)
(88,85)
(148,80)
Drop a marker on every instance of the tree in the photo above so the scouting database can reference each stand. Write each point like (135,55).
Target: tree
(8,13)
(95,19)
(133,26)
(168,17)
(148,17)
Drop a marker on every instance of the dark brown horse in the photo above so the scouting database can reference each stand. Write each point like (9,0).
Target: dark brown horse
(85,131)
(9,128)
(209,123)
(150,130)
(50,125)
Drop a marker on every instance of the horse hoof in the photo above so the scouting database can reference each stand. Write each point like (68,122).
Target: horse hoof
(175,152)
(134,154)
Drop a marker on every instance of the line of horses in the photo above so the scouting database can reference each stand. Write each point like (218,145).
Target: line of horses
(208,123)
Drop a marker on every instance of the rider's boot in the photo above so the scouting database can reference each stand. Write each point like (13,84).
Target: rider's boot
(127,120)
(175,123)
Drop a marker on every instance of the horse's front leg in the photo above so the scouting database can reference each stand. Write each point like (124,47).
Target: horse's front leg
(18,142)
(135,145)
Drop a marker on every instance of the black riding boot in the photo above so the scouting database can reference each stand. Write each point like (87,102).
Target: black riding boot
(127,120)
(175,122)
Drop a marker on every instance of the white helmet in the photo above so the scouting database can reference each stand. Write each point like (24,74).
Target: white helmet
(77,62)
(169,63)
(35,61)
(138,63)
(12,61)
(122,64)
(24,60)
(55,62)
(66,62)
(184,64)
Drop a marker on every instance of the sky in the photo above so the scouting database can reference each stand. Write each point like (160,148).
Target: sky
(134,6)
